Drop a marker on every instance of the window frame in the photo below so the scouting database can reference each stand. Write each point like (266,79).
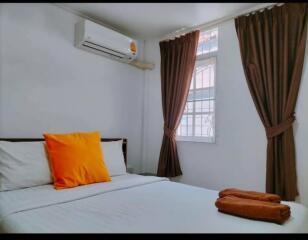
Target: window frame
(199,59)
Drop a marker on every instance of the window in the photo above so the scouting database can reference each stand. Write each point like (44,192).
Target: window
(198,120)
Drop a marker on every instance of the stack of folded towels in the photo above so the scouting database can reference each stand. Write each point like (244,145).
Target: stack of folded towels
(253,205)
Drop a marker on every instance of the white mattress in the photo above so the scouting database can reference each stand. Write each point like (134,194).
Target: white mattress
(130,203)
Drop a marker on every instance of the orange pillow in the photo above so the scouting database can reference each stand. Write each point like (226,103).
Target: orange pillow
(76,159)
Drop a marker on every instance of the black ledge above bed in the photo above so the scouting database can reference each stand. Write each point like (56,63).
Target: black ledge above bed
(124,146)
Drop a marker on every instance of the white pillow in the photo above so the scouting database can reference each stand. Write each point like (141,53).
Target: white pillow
(23,164)
(114,158)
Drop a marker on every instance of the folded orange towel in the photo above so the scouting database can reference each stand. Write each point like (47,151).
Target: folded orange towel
(268,197)
(254,209)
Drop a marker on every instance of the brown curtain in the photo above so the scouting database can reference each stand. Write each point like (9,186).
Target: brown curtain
(272,45)
(177,65)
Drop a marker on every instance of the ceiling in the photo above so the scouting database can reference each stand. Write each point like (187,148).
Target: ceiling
(151,20)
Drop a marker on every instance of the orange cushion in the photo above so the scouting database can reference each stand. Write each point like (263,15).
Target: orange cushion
(76,159)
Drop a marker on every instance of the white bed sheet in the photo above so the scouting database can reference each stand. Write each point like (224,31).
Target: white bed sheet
(130,203)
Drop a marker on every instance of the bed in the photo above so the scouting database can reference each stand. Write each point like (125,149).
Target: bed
(130,203)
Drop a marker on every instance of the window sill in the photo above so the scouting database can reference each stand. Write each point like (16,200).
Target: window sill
(195,139)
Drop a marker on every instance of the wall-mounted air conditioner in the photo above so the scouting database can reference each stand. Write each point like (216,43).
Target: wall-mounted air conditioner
(98,39)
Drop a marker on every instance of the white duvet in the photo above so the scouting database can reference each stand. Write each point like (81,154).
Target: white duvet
(130,204)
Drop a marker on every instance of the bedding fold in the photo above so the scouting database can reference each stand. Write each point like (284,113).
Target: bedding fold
(130,204)
(267,197)
(254,209)
(43,196)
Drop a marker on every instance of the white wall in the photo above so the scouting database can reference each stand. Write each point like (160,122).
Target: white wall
(238,158)
(48,85)
(301,134)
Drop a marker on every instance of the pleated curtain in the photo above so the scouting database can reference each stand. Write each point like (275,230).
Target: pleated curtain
(272,45)
(178,58)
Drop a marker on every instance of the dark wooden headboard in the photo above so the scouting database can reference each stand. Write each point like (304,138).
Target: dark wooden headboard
(124,145)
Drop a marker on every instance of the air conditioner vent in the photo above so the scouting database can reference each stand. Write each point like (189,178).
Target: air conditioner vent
(103,41)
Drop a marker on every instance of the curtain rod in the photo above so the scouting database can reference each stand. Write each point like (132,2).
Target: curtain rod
(204,26)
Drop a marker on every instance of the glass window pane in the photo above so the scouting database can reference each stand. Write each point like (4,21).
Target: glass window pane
(198,131)
(190,96)
(178,131)
(212,107)
(205,106)
(183,128)
(207,125)
(190,120)
(190,126)
(204,94)
(208,106)
(205,73)
(184,120)
(198,120)
(198,125)
(208,41)
(199,77)
(183,131)
(200,47)
(190,106)
(198,106)
(206,78)
(212,75)
(209,76)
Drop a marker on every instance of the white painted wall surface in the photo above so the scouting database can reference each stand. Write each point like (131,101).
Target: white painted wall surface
(238,158)
(48,85)
(301,135)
